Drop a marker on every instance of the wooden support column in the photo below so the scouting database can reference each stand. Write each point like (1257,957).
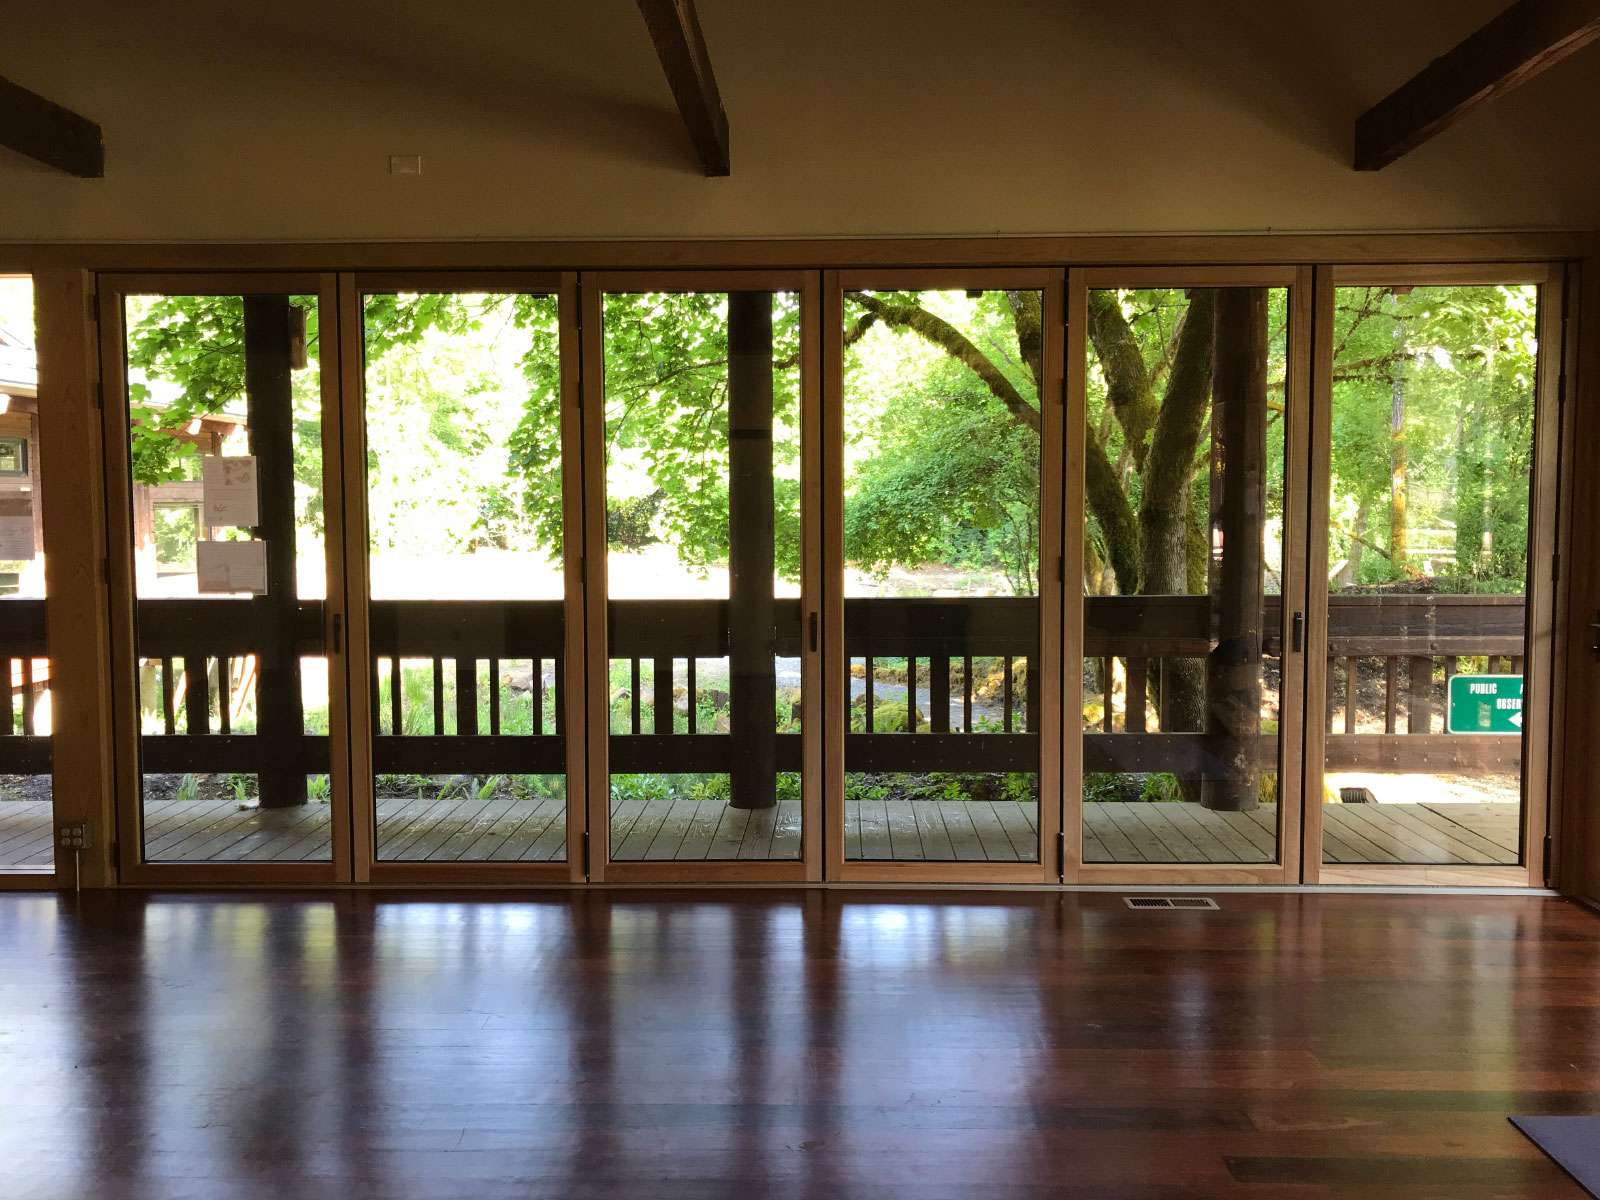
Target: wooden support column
(752,719)
(73,500)
(1239,450)
(280,716)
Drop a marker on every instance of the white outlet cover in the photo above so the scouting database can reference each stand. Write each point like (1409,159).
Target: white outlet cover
(405,164)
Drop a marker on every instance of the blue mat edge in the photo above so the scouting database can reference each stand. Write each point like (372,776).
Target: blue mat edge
(1589,1179)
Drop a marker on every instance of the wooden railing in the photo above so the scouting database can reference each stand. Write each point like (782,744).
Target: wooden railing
(195,652)
(1428,634)
(24,674)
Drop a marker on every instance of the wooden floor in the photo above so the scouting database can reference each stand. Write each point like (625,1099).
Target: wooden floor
(830,1045)
(465,828)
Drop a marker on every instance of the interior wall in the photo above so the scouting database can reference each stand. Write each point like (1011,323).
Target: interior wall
(252,121)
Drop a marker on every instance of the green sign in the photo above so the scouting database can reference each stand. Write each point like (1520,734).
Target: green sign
(1485,704)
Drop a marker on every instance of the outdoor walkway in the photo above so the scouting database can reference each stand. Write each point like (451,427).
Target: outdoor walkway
(506,829)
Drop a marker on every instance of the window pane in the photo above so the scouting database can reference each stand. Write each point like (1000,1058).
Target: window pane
(941,610)
(703,529)
(26,841)
(225,458)
(1183,538)
(1433,406)
(464,469)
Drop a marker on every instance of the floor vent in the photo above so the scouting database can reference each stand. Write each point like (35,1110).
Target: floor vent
(1169,902)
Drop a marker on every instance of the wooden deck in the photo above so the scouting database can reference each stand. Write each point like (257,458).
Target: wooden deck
(502,828)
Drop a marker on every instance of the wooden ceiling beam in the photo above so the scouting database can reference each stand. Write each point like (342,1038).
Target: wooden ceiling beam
(1529,37)
(675,30)
(55,136)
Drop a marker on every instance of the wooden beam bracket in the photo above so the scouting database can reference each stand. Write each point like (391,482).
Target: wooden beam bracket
(675,30)
(1526,39)
(55,136)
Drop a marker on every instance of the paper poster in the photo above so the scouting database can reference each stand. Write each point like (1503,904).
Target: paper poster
(228,489)
(232,567)
(16,530)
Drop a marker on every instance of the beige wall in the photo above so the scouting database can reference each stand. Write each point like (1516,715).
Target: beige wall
(255,120)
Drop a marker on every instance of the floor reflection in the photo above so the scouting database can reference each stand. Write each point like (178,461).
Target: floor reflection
(696,1044)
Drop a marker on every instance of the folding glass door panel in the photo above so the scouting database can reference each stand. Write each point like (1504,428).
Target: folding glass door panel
(226,512)
(1192,417)
(944,549)
(26,813)
(702,630)
(1439,433)
(468,434)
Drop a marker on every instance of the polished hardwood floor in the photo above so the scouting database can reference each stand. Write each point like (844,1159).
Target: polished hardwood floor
(828,1044)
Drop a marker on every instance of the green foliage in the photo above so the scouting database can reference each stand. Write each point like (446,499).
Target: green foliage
(943,472)
(1433,395)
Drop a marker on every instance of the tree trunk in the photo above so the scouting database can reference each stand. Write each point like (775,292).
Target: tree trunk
(1239,455)
(1397,453)
(752,671)
(280,713)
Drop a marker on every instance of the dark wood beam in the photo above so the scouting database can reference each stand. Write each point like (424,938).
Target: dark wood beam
(675,29)
(43,130)
(1527,38)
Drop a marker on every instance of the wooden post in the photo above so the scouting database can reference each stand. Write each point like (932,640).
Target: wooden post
(1239,448)
(752,671)
(280,716)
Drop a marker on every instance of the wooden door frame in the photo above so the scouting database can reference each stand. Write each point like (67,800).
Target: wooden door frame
(1296,281)
(594,286)
(1049,281)
(1542,661)
(367,867)
(128,780)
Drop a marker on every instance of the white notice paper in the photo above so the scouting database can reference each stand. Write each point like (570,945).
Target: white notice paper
(232,567)
(228,488)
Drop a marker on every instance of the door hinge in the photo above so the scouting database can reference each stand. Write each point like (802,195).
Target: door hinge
(586,854)
(1299,632)
(1549,850)
(105,570)
(338,628)
(813,633)
(1555,568)
(99,395)
(1061,854)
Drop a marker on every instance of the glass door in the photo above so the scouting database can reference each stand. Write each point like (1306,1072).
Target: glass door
(944,559)
(225,511)
(465,450)
(1189,397)
(703,624)
(1432,603)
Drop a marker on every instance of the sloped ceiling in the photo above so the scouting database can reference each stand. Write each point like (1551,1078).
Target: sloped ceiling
(260,121)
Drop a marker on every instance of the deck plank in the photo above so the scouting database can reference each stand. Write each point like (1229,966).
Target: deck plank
(905,839)
(1097,820)
(991,832)
(1023,835)
(875,841)
(757,843)
(729,836)
(937,844)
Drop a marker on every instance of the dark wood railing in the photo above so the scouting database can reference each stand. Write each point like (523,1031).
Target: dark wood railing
(24,676)
(194,652)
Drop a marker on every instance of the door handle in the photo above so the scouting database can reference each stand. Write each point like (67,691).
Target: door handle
(1299,638)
